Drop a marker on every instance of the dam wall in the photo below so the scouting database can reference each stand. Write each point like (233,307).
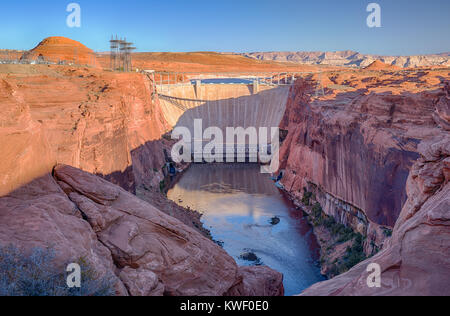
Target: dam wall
(224,105)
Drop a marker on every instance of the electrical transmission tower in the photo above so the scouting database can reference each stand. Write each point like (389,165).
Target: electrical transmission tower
(120,56)
(114,44)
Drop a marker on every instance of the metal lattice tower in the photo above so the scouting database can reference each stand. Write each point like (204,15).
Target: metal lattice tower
(125,49)
(114,44)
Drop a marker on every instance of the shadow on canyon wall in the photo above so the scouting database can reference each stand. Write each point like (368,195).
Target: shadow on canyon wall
(147,160)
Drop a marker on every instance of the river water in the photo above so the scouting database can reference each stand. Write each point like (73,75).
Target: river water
(253,220)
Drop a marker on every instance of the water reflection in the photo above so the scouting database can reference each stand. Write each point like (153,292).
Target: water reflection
(239,206)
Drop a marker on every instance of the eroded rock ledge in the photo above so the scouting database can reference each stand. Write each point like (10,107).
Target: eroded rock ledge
(149,252)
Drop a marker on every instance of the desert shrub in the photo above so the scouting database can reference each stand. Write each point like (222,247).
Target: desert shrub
(35,274)
(353,256)
(317,210)
(317,214)
(333,270)
(345,234)
(162,186)
(387,232)
(306,200)
(355,253)
(329,222)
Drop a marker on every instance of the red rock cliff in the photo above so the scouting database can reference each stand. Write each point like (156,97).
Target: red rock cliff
(101,122)
(354,147)
(415,261)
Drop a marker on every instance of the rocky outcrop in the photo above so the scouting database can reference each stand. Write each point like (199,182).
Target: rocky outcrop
(251,283)
(354,147)
(148,252)
(61,49)
(415,260)
(442,113)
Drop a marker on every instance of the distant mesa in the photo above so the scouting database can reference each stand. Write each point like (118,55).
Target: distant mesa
(352,59)
(61,49)
(379,65)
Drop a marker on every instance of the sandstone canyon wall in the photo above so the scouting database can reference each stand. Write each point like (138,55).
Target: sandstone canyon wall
(354,147)
(415,261)
(104,123)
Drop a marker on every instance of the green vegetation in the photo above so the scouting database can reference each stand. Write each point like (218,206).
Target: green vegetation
(306,200)
(387,232)
(162,186)
(355,253)
(319,218)
(353,256)
(340,234)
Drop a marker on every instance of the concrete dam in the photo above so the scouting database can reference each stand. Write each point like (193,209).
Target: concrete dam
(224,105)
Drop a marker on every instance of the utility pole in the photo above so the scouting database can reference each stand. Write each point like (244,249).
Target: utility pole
(114,45)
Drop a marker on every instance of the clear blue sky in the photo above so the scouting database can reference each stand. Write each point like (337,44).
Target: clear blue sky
(408,26)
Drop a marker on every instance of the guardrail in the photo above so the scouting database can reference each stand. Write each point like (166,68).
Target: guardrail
(186,78)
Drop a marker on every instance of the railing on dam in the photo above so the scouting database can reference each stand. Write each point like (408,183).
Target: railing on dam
(224,99)
(245,78)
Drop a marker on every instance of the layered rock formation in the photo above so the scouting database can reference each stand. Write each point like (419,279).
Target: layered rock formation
(415,261)
(147,251)
(353,148)
(352,59)
(105,123)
